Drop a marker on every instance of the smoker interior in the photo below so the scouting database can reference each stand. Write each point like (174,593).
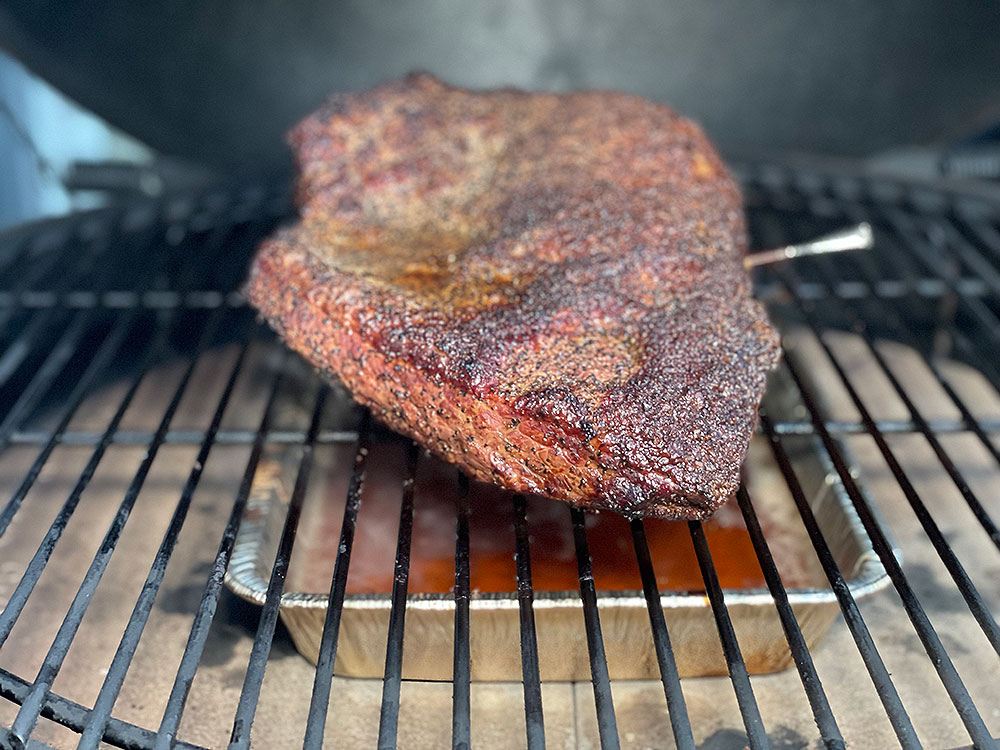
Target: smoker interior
(139,394)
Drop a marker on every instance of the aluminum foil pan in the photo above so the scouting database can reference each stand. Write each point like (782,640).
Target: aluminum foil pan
(495,632)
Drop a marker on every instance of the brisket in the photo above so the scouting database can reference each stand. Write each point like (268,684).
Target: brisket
(547,290)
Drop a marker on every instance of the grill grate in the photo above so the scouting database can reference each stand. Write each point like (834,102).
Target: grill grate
(79,313)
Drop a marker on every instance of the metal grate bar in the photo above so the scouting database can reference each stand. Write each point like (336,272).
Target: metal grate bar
(960,250)
(931,259)
(45,548)
(121,299)
(213,246)
(193,437)
(982,515)
(918,422)
(968,590)
(68,343)
(533,717)
(988,234)
(927,288)
(607,726)
(102,358)
(898,717)
(40,265)
(79,390)
(108,694)
(979,427)
(970,423)
(27,716)
(734,659)
(239,739)
(928,636)
(680,722)
(938,426)
(20,348)
(34,273)
(929,430)
(461,721)
(167,732)
(72,715)
(991,239)
(985,232)
(971,256)
(319,702)
(969,348)
(989,323)
(388,721)
(825,721)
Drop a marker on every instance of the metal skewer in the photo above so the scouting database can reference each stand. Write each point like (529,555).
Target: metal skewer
(859,237)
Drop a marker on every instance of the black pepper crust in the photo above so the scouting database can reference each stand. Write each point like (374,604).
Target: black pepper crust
(547,290)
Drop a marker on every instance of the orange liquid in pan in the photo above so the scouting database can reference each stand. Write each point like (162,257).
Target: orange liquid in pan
(492,540)
(554,567)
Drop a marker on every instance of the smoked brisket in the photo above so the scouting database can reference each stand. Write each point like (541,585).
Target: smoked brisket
(547,290)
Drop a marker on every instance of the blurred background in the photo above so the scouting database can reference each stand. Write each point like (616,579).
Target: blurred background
(102,101)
